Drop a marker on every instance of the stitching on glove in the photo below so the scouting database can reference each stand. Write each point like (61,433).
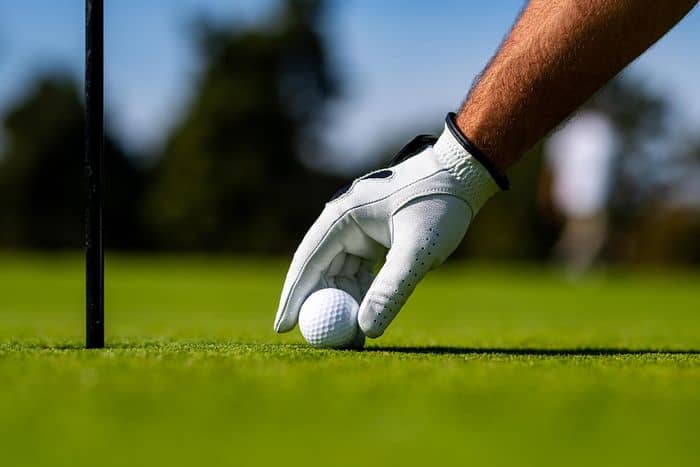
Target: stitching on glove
(432,191)
(352,186)
(378,175)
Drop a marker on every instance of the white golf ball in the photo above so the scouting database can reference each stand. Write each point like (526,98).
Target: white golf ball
(328,318)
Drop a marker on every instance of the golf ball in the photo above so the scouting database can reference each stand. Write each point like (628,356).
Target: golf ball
(328,318)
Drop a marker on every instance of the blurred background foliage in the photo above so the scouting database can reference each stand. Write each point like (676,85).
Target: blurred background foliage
(234,174)
(42,190)
(230,176)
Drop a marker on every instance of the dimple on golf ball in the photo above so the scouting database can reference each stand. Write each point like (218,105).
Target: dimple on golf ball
(328,318)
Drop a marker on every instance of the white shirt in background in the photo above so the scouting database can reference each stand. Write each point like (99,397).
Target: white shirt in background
(580,156)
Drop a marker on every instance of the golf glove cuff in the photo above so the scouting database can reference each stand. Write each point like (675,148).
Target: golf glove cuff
(478,183)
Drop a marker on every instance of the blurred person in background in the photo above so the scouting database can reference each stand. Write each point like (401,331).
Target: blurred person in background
(410,216)
(579,162)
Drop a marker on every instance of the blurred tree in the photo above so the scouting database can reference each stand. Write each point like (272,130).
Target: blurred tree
(230,177)
(670,228)
(42,195)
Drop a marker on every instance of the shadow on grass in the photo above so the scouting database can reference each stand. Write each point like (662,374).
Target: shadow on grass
(120,345)
(187,346)
(183,345)
(583,351)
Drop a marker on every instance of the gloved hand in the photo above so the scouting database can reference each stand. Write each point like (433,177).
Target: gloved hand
(412,215)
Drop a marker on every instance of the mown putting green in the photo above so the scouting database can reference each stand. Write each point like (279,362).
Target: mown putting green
(487,365)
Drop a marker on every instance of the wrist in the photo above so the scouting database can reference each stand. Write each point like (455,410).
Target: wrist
(478,183)
(498,175)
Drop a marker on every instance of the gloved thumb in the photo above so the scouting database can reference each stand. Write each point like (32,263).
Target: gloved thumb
(424,232)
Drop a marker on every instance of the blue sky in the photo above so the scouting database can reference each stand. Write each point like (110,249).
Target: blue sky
(406,63)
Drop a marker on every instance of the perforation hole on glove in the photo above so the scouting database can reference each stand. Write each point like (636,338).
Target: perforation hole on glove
(421,261)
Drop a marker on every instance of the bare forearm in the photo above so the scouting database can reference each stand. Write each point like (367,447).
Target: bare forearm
(557,55)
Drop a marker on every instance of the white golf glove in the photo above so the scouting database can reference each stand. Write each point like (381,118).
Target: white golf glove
(412,215)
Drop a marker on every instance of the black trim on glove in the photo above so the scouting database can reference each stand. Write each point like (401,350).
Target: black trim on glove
(499,177)
(414,147)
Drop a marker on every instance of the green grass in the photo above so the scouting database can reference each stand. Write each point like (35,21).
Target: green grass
(486,365)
